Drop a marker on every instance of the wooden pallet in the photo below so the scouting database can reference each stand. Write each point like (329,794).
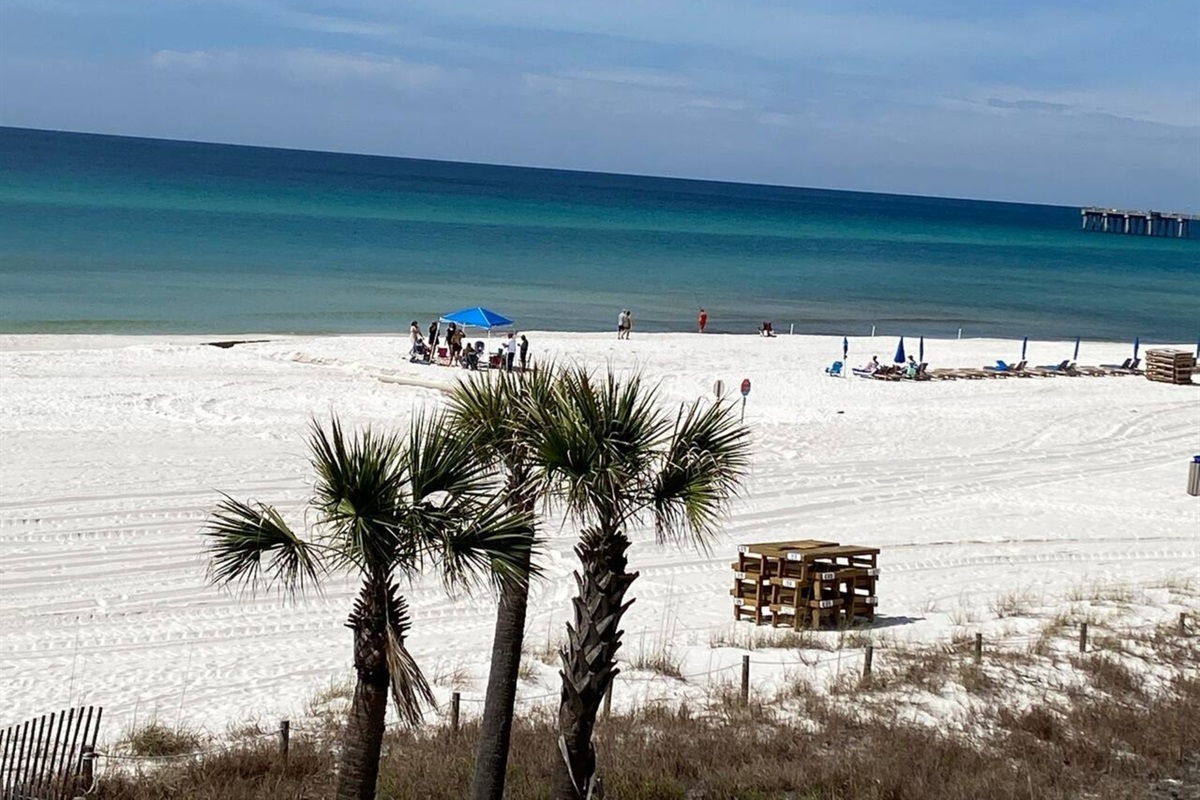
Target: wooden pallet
(803,583)
(1165,365)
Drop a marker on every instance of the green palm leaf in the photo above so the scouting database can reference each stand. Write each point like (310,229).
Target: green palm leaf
(242,538)
(701,470)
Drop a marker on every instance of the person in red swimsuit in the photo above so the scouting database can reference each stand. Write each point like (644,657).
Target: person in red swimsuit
(703,320)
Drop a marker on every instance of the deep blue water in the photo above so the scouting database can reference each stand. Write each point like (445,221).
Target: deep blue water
(122,235)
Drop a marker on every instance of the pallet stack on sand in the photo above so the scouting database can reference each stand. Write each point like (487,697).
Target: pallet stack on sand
(804,583)
(1169,366)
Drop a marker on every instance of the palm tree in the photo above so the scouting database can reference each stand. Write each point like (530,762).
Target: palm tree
(615,458)
(385,507)
(499,414)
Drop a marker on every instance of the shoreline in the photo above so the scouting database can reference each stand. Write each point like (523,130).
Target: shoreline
(33,342)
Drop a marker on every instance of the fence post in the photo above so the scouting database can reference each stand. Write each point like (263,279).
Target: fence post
(455,700)
(868,656)
(87,763)
(745,680)
(978,648)
(1083,637)
(608,700)
(1183,623)
(285,733)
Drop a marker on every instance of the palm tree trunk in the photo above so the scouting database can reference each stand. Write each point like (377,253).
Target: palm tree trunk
(491,756)
(589,658)
(358,770)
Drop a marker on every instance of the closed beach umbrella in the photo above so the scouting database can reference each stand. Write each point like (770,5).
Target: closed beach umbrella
(1137,340)
(921,350)
(1076,356)
(1024,344)
(900,357)
(845,347)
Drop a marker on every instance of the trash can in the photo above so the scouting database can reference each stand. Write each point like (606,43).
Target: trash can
(1194,477)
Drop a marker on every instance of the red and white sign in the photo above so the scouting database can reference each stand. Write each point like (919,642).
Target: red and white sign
(745,387)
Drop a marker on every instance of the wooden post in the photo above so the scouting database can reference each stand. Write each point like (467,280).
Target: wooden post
(87,764)
(455,700)
(285,734)
(1083,637)
(978,648)
(608,700)
(745,680)
(867,658)
(1183,623)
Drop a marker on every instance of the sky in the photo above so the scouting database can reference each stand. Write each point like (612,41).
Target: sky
(1075,103)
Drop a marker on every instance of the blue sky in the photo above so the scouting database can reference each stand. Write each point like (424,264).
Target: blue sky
(1069,102)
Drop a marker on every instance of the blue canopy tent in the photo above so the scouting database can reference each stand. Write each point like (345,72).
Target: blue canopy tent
(477,317)
(900,357)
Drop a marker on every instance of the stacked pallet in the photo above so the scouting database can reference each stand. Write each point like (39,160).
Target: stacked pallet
(804,583)
(1169,366)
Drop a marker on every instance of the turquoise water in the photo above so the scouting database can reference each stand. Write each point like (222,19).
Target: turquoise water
(120,235)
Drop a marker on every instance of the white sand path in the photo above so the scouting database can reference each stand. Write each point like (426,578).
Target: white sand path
(113,449)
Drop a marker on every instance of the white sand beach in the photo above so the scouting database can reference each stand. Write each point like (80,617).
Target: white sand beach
(113,451)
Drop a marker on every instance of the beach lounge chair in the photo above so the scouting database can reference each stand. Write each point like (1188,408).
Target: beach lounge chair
(834,370)
(922,373)
(1064,367)
(1003,369)
(1128,367)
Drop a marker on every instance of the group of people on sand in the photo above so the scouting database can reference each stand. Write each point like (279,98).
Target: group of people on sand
(909,368)
(422,350)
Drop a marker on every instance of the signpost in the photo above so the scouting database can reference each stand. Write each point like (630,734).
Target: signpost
(745,394)
(719,389)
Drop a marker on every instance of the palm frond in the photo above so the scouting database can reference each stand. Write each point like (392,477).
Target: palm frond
(492,542)
(702,469)
(359,488)
(410,690)
(596,442)
(252,545)
(441,465)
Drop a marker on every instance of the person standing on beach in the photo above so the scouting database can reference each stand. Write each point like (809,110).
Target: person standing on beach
(510,348)
(524,348)
(621,324)
(433,334)
(628,322)
(414,336)
(703,320)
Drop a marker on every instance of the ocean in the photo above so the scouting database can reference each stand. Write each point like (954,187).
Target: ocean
(105,234)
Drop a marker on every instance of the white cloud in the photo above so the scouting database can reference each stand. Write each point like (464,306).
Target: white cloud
(316,66)
(176,59)
(304,66)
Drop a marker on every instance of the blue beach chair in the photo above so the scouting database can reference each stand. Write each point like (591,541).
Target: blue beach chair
(834,370)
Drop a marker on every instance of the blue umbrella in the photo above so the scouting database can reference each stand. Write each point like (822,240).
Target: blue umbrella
(921,350)
(1024,344)
(1137,341)
(477,317)
(1076,356)
(900,357)
(845,347)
